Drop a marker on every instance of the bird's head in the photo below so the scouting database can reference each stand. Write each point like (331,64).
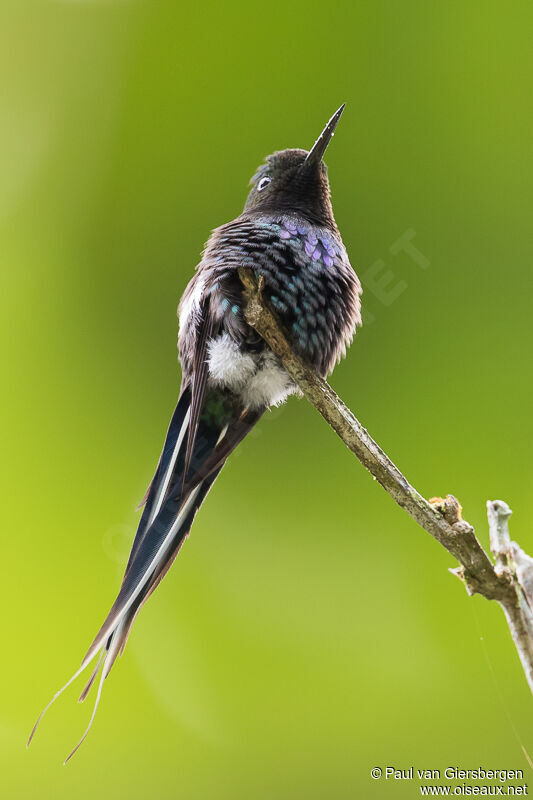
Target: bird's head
(296,180)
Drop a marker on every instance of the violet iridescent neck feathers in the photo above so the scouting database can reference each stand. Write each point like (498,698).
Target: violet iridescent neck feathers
(287,234)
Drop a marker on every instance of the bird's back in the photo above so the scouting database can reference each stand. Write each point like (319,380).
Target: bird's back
(308,279)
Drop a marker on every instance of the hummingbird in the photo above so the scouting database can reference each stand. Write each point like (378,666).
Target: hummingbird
(287,234)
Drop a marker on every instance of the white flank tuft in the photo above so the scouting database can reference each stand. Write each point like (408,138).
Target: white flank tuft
(228,366)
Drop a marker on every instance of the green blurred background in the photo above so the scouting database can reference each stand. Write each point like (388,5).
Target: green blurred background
(309,630)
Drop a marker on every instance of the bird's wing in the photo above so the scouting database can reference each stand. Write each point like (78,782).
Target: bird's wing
(169,505)
(206,329)
(184,423)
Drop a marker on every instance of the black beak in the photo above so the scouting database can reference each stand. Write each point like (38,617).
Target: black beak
(316,153)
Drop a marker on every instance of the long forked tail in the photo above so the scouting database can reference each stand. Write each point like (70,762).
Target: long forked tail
(172,501)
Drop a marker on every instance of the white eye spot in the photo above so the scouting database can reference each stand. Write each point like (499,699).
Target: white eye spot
(263,183)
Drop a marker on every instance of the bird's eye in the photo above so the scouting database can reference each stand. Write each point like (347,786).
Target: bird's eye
(263,183)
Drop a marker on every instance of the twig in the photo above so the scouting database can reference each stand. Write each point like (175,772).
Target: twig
(509,582)
(517,567)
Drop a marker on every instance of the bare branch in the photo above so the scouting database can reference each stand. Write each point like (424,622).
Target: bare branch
(506,581)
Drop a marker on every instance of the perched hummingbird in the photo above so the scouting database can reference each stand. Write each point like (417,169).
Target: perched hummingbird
(286,233)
